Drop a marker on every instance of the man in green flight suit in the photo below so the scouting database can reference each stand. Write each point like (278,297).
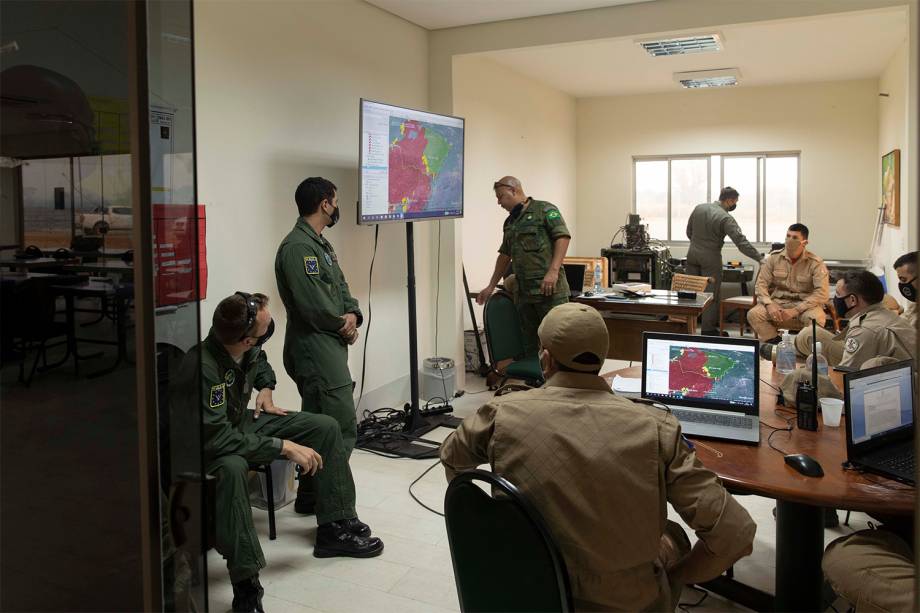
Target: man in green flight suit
(323,316)
(534,244)
(232,366)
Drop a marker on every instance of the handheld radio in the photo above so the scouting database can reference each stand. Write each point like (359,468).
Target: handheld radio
(806,394)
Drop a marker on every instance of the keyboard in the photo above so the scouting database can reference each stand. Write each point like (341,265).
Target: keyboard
(898,464)
(714,419)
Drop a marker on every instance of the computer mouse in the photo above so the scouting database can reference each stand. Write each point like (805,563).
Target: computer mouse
(804,464)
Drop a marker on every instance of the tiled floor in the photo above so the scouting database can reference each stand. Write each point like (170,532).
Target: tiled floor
(414,572)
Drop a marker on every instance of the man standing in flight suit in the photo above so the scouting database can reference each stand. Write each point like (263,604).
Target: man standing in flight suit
(707,228)
(534,243)
(232,366)
(323,316)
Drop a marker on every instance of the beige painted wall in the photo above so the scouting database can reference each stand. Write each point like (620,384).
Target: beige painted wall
(893,134)
(515,126)
(278,85)
(833,125)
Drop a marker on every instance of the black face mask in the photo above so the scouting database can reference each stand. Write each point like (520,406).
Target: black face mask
(334,218)
(907,290)
(268,333)
(840,305)
(732,207)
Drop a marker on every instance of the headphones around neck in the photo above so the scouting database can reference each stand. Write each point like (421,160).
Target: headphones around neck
(252,310)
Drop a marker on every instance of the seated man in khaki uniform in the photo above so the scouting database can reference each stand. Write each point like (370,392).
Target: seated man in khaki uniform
(873,330)
(791,288)
(906,268)
(601,470)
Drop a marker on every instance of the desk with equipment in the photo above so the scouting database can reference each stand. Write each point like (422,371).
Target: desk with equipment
(762,469)
(660,311)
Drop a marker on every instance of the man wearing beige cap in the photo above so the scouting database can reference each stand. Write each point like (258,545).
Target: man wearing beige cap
(601,470)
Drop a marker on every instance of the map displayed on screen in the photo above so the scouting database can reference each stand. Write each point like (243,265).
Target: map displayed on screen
(411,164)
(717,374)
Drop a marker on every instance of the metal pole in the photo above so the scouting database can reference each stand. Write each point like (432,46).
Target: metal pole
(414,421)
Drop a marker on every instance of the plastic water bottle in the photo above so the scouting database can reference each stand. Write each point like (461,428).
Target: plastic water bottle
(597,279)
(822,362)
(785,355)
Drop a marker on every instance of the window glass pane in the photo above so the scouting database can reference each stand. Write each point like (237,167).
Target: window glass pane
(715,180)
(782,193)
(689,182)
(46,219)
(652,196)
(741,173)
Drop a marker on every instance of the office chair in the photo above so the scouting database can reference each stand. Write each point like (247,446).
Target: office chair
(505,342)
(504,556)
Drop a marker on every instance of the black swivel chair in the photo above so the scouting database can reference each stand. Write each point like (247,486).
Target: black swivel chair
(503,554)
(32,317)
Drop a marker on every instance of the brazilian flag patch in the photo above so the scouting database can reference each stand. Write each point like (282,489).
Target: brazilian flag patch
(554,214)
(218,395)
(311,264)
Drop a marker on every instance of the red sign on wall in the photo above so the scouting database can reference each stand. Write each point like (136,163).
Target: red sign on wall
(178,229)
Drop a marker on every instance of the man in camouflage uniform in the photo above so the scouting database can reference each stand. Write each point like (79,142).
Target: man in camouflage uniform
(534,243)
(791,288)
(322,315)
(707,228)
(232,366)
(873,329)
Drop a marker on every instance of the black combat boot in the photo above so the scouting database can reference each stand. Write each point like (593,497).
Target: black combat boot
(247,596)
(336,539)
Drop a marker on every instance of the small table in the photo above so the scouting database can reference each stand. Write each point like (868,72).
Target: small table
(738,274)
(628,318)
(100,267)
(800,500)
(97,289)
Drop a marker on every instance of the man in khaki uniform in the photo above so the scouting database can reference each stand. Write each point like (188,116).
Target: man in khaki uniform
(873,330)
(601,470)
(906,268)
(791,288)
(534,241)
(874,570)
(707,228)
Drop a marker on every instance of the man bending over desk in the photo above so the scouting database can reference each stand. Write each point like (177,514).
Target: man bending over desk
(601,469)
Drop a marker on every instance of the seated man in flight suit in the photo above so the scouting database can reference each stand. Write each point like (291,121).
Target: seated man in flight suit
(232,366)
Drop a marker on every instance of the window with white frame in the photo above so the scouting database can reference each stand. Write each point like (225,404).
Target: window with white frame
(667,188)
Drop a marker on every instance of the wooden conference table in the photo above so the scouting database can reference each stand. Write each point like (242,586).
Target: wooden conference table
(628,318)
(800,500)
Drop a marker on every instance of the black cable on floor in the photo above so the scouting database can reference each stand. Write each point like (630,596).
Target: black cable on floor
(367,329)
(427,470)
(686,606)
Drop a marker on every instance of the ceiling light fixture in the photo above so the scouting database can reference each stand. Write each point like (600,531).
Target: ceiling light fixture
(699,79)
(682,45)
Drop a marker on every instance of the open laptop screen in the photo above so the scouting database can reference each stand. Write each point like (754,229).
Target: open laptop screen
(701,371)
(575,275)
(880,402)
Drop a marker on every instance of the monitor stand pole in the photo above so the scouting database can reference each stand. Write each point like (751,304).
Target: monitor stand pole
(417,422)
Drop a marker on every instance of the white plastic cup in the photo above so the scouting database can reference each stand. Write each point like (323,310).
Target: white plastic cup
(831,408)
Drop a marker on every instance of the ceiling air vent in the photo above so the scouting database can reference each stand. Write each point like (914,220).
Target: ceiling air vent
(722,77)
(683,45)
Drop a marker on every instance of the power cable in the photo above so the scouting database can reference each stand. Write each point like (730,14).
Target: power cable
(419,478)
(367,330)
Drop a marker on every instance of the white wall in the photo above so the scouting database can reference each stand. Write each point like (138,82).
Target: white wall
(892,134)
(278,85)
(834,125)
(514,126)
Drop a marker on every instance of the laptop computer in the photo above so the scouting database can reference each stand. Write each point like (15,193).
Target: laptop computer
(575,275)
(879,405)
(711,384)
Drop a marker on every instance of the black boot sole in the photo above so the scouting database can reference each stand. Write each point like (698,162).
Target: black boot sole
(321,552)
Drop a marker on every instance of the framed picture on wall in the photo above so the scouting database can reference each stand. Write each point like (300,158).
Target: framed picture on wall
(891,187)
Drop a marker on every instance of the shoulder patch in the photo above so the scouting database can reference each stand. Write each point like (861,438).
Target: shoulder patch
(851,345)
(229,377)
(311,264)
(554,214)
(218,395)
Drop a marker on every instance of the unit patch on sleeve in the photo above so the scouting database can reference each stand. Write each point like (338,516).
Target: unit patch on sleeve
(553,215)
(311,264)
(852,345)
(218,396)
